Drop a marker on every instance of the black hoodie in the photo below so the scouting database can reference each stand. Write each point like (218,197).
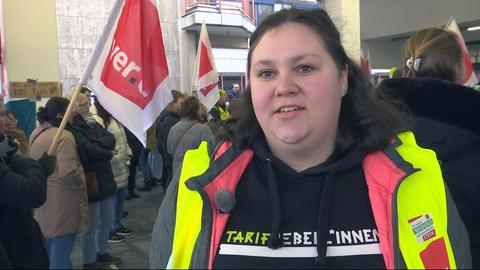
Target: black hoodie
(323,206)
(445,118)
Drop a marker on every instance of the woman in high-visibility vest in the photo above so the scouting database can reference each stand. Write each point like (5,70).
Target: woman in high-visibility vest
(444,115)
(311,172)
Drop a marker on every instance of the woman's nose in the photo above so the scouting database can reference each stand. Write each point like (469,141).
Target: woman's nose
(285,84)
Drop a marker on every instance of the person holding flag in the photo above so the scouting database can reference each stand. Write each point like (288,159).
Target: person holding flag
(444,117)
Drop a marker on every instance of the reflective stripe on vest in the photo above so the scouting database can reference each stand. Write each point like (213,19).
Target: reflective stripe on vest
(422,210)
(188,222)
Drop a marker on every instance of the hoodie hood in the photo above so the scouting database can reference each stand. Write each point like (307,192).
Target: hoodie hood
(335,163)
(278,172)
(443,101)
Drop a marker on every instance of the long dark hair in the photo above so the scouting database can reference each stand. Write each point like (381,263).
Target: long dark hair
(363,118)
(54,107)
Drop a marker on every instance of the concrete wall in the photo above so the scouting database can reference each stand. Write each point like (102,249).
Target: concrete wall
(346,16)
(30,40)
(80,23)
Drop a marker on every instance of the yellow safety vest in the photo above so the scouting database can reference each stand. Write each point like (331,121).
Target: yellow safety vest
(420,195)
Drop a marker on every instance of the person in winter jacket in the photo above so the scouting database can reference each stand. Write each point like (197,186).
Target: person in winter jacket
(23,186)
(65,213)
(95,146)
(187,133)
(165,121)
(312,173)
(119,163)
(444,117)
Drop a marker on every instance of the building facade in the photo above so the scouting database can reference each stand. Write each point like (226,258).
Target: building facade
(229,23)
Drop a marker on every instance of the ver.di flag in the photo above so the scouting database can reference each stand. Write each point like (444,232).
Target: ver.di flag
(205,81)
(469,78)
(128,69)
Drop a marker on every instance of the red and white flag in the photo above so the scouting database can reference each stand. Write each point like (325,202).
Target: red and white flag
(128,70)
(365,64)
(205,80)
(469,78)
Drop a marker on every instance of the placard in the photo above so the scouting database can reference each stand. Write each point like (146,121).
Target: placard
(34,90)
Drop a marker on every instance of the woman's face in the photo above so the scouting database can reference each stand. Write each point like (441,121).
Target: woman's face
(11,122)
(83,105)
(296,89)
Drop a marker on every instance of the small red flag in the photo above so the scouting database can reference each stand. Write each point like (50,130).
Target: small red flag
(469,78)
(365,64)
(205,81)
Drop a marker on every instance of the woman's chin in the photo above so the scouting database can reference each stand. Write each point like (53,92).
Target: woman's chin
(289,137)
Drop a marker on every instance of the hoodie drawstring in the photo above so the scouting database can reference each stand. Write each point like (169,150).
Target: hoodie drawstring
(274,241)
(323,221)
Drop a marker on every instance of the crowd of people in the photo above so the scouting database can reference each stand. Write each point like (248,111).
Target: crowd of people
(80,190)
(311,166)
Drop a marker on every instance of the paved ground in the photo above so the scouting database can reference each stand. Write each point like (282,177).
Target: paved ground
(135,249)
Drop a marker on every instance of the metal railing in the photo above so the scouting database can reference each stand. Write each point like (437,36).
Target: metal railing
(246,7)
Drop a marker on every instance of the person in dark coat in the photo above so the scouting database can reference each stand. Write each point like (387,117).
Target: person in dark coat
(444,117)
(96,148)
(136,147)
(22,187)
(168,117)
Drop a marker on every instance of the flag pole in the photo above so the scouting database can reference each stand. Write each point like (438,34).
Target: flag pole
(53,146)
(197,61)
(93,58)
(448,23)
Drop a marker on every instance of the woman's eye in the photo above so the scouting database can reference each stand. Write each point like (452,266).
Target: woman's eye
(265,74)
(304,68)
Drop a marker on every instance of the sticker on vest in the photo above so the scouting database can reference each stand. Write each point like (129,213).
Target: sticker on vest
(422,227)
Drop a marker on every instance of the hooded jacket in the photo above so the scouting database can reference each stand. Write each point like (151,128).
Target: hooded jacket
(404,188)
(445,119)
(23,186)
(120,161)
(95,145)
(66,209)
(186,134)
